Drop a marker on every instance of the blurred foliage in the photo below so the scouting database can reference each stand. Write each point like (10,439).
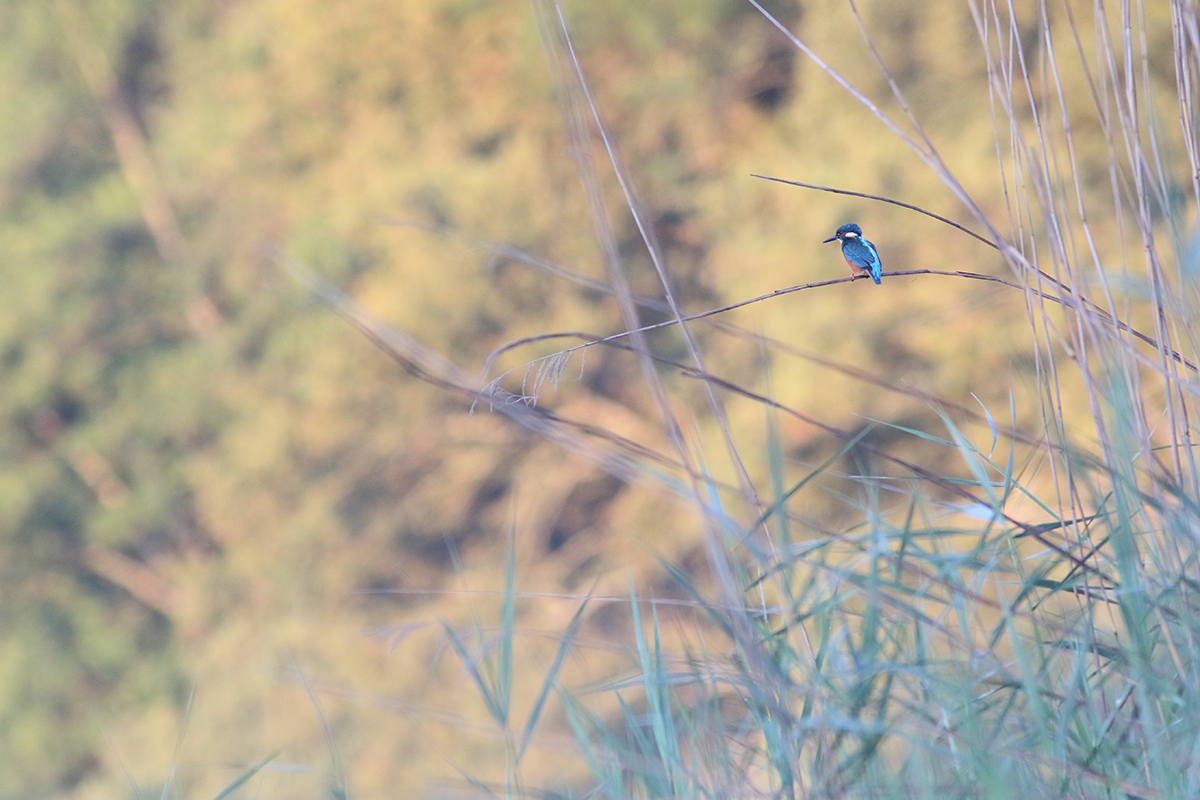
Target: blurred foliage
(209,482)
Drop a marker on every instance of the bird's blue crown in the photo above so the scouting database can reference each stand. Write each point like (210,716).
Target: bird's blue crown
(849,227)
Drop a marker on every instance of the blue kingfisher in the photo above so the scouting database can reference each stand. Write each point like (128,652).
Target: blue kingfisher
(860,254)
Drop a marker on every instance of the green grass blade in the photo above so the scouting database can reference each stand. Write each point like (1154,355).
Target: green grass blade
(654,682)
(783,497)
(507,632)
(551,677)
(485,692)
(245,776)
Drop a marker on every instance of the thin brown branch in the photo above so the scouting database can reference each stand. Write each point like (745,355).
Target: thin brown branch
(881,199)
(133,151)
(1091,306)
(1104,315)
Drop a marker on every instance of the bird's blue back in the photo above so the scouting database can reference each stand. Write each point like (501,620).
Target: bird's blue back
(863,254)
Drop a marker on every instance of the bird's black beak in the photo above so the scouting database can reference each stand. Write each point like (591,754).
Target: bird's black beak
(830,239)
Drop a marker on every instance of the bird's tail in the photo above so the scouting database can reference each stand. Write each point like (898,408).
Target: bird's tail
(877,276)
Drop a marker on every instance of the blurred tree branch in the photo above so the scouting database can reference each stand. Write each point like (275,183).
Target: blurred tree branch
(133,154)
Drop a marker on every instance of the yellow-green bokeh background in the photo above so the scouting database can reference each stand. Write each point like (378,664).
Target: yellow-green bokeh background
(211,486)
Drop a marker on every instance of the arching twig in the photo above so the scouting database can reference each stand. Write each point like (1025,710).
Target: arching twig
(1089,304)
(1104,315)
(909,206)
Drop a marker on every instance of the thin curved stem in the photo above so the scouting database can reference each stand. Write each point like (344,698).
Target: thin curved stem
(1090,305)
(1101,313)
(881,199)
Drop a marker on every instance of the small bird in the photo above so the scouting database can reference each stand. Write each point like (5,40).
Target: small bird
(860,254)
